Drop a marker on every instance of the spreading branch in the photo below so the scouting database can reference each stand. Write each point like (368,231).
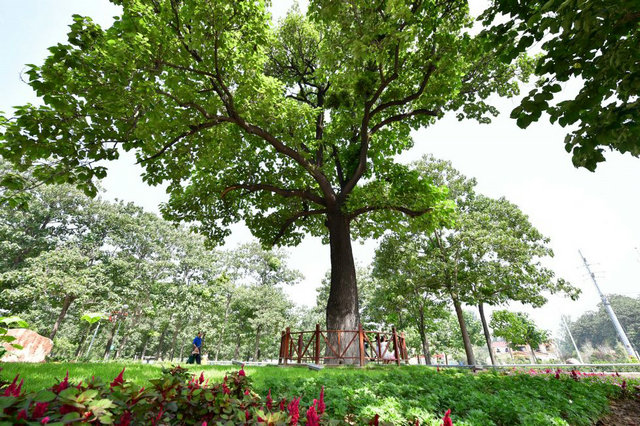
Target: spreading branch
(292,220)
(409,212)
(400,117)
(287,193)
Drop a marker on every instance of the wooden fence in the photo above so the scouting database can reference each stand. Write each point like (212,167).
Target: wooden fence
(297,347)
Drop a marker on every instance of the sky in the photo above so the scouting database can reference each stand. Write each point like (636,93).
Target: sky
(594,212)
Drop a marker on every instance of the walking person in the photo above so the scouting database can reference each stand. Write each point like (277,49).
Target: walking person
(196,352)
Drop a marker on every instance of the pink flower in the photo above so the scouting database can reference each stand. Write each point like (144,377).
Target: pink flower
(321,405)
(119,380)
(204,424)
(45,420)
(446,420)
(312,417)
(294,410)
(40,409)
(62,385)
(269,401)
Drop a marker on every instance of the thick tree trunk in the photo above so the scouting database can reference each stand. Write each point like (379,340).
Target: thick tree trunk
(82,341)
(533,353)
(423,338)
(342,307)
(236,352)
(112,335)
(65,307)
(224,323)
(487,334)
(468,349)
(159,351)
(256,353)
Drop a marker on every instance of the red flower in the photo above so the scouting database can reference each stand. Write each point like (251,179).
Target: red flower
(417,423)
(294,410)
(283,402)
(446,420)
(246,392)
(269,401)
(40,409)
(247,415)
(201,380)
(22,414)
(45,420)
(557,373)
(125,419)
(226,389)
(375,420)
(321,405)
(312,417)
(62,385)
(12,389)
(241,372)
(119,380)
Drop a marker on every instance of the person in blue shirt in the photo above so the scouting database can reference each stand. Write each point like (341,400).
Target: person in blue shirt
(197,347)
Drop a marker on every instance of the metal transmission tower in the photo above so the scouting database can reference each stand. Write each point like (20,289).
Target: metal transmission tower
(614,319)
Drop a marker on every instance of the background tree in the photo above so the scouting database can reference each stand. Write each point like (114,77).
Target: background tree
(518,329)
(595,43)
(293,130)
(595,327)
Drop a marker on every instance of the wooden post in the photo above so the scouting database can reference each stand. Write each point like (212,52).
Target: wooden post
(339,348)
(361,341)
(317,344)
(281,355)
(299,348)
(404,348)
(287,340)
(395,345)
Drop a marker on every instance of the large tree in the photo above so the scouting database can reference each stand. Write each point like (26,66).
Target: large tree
(292,129)
(596,43)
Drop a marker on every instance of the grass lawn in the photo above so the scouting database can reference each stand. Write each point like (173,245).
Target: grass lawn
(395,393)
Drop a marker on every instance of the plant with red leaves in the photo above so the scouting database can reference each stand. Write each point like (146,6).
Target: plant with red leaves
(62,385)
(312,417)
(119,380)
(321,405)
(269,401)
(294,411)
(375,421)
(12,389)
(446,420)
(39,409)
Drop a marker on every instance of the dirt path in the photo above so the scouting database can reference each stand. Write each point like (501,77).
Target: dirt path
(624,412)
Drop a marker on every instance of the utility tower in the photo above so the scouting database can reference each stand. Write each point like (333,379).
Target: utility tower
(614,319)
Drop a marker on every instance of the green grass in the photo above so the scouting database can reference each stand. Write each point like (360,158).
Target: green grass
(395,393)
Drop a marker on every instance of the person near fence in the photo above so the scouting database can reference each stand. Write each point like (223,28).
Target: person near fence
(386,351)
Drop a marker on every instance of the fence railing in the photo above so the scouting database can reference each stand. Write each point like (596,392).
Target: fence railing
(342,346)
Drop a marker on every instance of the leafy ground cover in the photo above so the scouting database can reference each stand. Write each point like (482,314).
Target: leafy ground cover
(395,394)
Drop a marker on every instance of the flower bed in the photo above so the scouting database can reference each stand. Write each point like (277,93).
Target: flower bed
(176,398)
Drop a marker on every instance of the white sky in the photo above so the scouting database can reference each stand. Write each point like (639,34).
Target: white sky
(596,212)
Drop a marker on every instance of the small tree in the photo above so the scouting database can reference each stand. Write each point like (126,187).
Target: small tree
(518,329)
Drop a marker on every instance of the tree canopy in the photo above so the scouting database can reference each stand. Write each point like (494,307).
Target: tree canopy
(596,42)
(291,128)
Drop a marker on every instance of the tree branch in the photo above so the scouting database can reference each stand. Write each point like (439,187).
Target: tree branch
(411,97)
(193,130)
(409,212)
(293,218)
(287,193)
(400,117)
